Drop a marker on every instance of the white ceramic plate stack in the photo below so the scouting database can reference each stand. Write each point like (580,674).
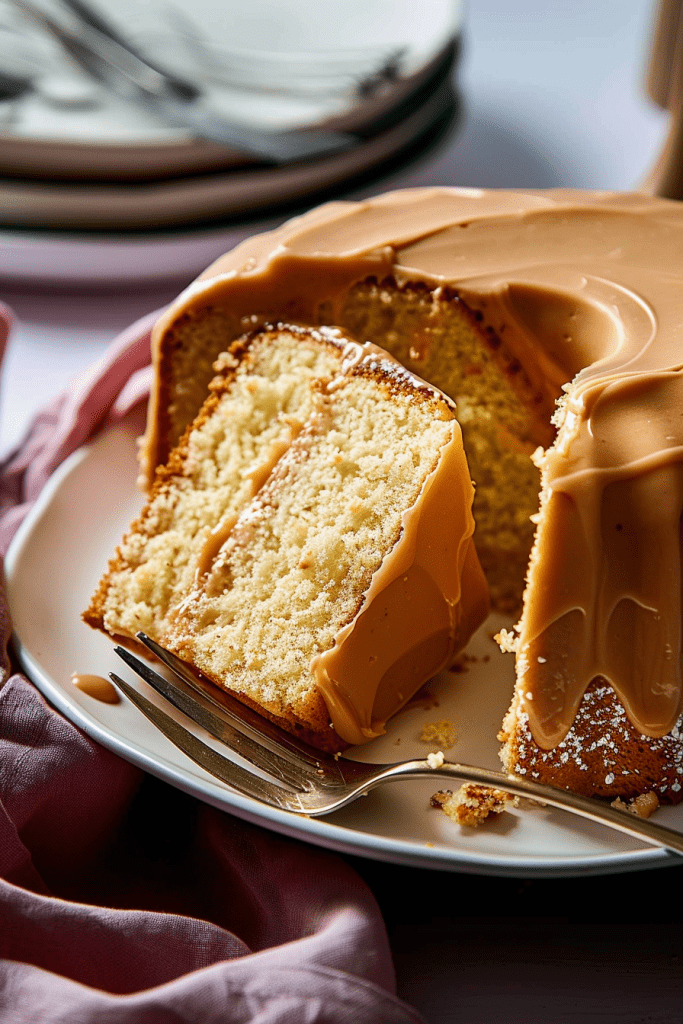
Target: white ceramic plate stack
(75,158)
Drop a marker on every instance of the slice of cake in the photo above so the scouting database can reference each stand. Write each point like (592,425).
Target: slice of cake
(308,544)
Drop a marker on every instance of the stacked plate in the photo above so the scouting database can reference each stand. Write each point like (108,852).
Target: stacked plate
(77,156)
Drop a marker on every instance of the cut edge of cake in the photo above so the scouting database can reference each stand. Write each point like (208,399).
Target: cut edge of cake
(362,440)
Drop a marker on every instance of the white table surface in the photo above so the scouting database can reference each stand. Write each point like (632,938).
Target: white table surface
(553,95)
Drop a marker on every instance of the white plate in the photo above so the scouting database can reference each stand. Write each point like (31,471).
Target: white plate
(52,568)
(242,193)
(275,64)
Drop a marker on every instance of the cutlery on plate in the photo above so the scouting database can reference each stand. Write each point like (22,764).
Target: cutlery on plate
(108,59)
(288,774)
(361,71)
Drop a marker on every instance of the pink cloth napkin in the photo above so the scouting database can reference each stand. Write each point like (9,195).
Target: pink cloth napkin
(122,899)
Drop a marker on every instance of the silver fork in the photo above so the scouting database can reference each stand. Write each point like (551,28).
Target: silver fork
(291,775)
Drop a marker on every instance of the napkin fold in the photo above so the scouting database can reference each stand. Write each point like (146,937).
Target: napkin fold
(125,900)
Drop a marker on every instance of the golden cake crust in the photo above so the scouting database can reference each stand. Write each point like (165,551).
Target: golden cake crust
(602,755)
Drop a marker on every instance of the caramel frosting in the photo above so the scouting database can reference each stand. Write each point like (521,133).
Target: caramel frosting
(589,290)
(96,687)
(423,604)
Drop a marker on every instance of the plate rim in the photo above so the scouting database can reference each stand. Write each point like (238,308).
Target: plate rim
(318,831)
(225,194)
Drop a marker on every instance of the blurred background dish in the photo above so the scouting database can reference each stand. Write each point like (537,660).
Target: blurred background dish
(87,174)
(546,98)
(237,191)
(270,66)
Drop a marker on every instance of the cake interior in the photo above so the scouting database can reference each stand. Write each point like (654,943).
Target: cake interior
(435,335)
(265,528)
(207,480)
(303,551)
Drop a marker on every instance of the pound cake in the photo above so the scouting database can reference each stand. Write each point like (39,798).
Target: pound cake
(308,543)
(553,321)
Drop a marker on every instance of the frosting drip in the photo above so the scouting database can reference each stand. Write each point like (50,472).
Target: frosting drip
(612,515)
(588,288)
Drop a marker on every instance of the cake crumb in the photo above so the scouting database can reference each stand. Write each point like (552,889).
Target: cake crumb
(643,806)
(507,640)
(435,759)
(472,805)
(441,732)
(538,457)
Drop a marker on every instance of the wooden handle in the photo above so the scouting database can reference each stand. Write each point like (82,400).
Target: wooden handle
(665,87)
(664,71)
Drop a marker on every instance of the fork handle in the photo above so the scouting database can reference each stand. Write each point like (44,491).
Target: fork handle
(553,796)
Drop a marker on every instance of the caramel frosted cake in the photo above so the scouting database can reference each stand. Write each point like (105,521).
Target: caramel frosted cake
(307,545)
(553,320)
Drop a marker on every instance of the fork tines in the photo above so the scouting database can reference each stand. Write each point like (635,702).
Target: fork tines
(256,740)
(243,717)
